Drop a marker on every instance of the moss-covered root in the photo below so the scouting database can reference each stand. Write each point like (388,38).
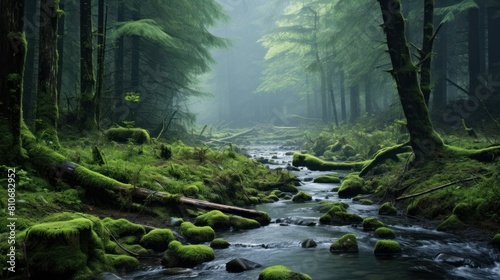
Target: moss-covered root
(123,135)
(280,272)
(196,234)
(314,163)
(345,244)
(387,248)
(385,154)
(178,255)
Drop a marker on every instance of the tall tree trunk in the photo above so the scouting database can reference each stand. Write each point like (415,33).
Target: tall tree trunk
(355,108)
(494,40)
(60,49)
(440,95)
(329,79)
(13,49)
(29,93)
(426,52)
(423,138)
(101,33)
(47,112)
(368,95)
(119,97)
(322,75)
(342,95)
(86,110)
(135,61)
(474,50)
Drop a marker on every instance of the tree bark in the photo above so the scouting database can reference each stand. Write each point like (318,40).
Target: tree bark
(29,91)
(494,40)
(86,111)
(119,97)
(329,79)
(47,112)
(440,96)
(342,96)
(424,140)
(13,49)
(426,52)
(368,95)
(101,33)
(355,108)
(474,50)
(60,50)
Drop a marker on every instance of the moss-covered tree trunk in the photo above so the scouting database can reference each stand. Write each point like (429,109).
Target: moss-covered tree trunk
(119,98)
(13,49)
(86,110)
(423,138)
(426,52)
(329,80)
(47,112)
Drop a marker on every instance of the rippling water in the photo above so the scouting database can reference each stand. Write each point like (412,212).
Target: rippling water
(277,244)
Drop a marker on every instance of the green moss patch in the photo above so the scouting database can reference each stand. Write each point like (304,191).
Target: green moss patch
(345,244)
(302,197)
(219,243)
(452,223)
(178,255)
(352,185)
(122,262)
(372,224)
(157,239)
(240,223)
(122,227)
(327,179)
(196,234)
(337,215)
(387,209)
(384,232)
(214,219)
(280,272)
(124,135)
(387,248)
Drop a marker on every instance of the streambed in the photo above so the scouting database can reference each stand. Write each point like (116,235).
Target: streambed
(427,253)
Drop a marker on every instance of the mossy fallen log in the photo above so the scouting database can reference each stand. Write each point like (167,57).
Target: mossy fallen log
(314,163)
(123,135)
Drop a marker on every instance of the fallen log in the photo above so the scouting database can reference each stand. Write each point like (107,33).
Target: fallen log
(232,136)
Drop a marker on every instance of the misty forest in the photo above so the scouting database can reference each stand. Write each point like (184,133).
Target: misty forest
(250,139)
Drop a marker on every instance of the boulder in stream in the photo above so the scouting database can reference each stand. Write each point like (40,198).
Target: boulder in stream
(345,244)
(186,255)
(387,248)
(240,265)
(280,272)
(309,243)
(387,209)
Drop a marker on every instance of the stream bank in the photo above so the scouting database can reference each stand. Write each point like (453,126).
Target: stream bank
(427,253)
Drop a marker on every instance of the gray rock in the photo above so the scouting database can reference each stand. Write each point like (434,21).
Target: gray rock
(177,271)
(108,276)
(240,265)
(309,243)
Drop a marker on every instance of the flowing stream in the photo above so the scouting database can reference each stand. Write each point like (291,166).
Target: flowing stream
(280,243)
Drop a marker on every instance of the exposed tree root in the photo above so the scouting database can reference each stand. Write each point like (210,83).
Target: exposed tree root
(385,154)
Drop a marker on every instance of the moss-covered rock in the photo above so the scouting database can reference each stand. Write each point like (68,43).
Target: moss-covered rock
(178,255)
(387,248)
(196,234)
(345,244)
(123,135)
(122,227)
(495,241)
(372,224)
(452,223)
(384,232)
(352,185)
(366,202)
(280,272)
(337,215)
(274,198)
(325,206)
(157,239)
(327,179)
(122,262)
(190,191)
(219,243)
(240,223)
(302,197)
(387,209)
(347,151)
(214,219)
(66,249)
(465,211)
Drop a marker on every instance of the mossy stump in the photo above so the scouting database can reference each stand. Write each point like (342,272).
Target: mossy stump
(178,255)
(387,209)
(387,248)
(345,244)
(280,272)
